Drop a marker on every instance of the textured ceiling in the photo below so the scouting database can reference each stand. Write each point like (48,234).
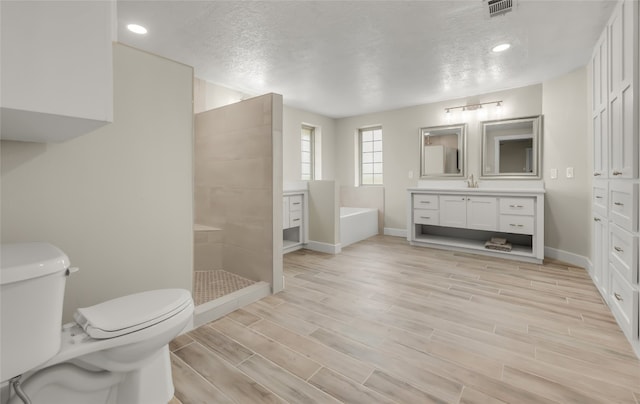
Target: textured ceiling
(345,58)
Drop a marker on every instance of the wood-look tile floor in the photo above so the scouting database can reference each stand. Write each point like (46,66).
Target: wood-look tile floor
(384,322)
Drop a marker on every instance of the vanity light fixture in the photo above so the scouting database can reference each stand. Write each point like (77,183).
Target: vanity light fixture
(473,107)
(137,29)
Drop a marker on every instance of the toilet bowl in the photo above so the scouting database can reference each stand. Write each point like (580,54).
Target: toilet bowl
(114,352)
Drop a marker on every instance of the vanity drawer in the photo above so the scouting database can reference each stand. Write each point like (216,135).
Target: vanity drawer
(426,216)
(516,206)
(623,252)
(295,203)
(600,198)
(623,201)
(623,300)
(421,201)
(516,224)
(295,218)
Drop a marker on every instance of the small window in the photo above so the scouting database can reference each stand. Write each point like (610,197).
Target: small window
(307,152)
(371,156)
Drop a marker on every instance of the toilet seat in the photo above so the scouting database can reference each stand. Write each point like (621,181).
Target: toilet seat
(131,313)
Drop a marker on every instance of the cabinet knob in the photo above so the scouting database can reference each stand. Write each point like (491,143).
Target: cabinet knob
(618,297)
(618,249)
(425,217)
(516,206)
(596,219)
(598,197)
(596,174)
(617,173)
(618,203)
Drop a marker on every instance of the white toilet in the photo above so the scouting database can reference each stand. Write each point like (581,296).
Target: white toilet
(115,352)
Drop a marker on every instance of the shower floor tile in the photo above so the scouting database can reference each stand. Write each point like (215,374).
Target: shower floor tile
(210,285)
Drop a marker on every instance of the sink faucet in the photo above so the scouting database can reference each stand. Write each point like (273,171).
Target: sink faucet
(471,183)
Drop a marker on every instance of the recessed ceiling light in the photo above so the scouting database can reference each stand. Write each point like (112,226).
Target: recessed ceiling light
(501,48)
(138,29)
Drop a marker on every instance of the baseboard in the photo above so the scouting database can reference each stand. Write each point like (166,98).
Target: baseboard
(390,231)
(568,257)
(323,247)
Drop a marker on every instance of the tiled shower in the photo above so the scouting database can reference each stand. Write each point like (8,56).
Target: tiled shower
(234,190)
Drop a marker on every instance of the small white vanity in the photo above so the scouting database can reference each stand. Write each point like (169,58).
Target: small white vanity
(449,216)
(295,216)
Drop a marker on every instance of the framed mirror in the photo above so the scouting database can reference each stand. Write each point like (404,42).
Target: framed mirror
(442,151)
(511,148)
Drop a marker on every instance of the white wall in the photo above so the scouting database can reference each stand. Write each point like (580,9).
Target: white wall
(293,120)
(401,144)
(566,144)
(118,201)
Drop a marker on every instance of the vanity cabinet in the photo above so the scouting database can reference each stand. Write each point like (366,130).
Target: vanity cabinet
(615,107)
(471,212)
(294,221)
(464,219)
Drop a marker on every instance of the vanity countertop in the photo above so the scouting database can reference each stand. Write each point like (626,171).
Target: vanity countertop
(488,190)
(294,191)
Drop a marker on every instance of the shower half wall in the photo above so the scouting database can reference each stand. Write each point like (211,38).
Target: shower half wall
(238,185)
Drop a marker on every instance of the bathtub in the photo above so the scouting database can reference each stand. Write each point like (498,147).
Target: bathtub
(357,224)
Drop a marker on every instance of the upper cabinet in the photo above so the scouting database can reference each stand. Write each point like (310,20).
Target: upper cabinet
(599,117)
(511,148)
(622,83)
(56,68)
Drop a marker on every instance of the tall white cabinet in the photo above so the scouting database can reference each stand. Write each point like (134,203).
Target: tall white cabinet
(615,107)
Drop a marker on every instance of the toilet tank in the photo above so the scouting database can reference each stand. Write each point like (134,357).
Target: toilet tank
(32,280)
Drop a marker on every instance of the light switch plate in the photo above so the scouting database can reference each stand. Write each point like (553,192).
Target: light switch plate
(554,173)
(569,172)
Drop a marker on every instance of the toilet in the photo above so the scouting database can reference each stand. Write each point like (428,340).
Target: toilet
(115,352)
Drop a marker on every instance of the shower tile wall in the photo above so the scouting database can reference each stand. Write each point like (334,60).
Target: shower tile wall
(208,247)
(234,182)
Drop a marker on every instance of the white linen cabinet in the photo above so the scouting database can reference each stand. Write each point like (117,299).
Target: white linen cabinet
(615,108)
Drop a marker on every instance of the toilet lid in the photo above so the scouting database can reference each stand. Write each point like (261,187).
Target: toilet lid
(131,313)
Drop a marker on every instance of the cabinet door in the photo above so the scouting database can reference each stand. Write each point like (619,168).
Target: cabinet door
(623,145)
(482,213)
(453,210)
(600,269)
(599,108)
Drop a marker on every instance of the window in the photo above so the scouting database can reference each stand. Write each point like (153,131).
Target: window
(307,152)
(371,156)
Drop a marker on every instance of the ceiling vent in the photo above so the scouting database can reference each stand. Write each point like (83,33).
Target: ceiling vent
(499,7)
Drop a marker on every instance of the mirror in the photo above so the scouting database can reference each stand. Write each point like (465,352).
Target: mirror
(442,151)
(511,148)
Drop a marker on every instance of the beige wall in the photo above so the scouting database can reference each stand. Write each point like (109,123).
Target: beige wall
(237,177)
(325,131)
(401,142)
(324,212)
(566,144)
(208,96)
(119,200)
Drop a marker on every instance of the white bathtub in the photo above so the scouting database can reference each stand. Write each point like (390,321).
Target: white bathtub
(357,224)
